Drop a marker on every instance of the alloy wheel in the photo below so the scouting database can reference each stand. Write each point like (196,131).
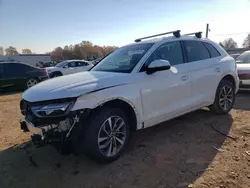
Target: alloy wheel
(226,97)
(31,82)
(111,136)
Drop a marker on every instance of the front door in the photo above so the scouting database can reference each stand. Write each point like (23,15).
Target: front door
(70,68)
(166,94)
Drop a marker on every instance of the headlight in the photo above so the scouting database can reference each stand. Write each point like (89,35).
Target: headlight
(52,110)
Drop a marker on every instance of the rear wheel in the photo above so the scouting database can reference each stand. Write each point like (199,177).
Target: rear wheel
(107,135)
(31,82)
(224,99)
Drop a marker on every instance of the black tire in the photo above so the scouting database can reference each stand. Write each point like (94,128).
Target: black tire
(94,124)
(216,107)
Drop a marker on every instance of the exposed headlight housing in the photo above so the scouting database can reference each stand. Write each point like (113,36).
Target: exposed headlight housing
(52,110)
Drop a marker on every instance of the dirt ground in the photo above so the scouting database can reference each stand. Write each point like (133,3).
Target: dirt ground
(184,152)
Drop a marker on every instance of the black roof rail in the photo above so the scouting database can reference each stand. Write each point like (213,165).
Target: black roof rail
(197,34)
(175,33)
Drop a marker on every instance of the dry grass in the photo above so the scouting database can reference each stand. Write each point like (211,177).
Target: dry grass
(174,154)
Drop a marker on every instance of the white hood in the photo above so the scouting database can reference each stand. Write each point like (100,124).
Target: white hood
(73,85)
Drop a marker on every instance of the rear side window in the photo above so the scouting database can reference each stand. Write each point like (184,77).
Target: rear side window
(213,51)
(170,51)
(196,51)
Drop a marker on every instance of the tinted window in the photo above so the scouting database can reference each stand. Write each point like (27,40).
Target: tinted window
(72,64)
(196,51)
(170,51)
(16,69)
(1,70)
(212,50)
(82,63)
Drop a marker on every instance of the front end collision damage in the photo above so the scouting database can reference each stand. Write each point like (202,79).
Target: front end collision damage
(63,132)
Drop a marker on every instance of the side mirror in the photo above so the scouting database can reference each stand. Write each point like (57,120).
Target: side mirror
(158,65)
(239,61)
(66,66)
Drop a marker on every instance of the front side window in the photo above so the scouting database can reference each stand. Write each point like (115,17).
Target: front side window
(213,51)
(61,64)
(15,70)
(170,51)
(244,57)
(72,64)
(82,64)
(196,51)
(124,59)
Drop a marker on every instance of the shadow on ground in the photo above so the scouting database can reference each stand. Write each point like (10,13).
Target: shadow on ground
(241,98)
(168,155)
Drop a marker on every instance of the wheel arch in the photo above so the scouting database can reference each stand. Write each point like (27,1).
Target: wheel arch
(128,108)
(230,78)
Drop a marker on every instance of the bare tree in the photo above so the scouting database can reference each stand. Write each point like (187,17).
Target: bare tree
(246,42)
(26,51)
(84,50)
(229,43)
(11,51)
(1,50)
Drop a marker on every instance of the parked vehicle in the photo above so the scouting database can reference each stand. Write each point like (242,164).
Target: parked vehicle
(16,75)
(243,66)
(69,67)
(135,87)
(234,55)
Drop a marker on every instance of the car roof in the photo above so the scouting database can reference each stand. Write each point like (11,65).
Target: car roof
(171,38)
(17,62)
(72,60)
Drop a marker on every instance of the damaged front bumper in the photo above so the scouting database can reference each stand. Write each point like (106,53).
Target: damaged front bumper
(63,133)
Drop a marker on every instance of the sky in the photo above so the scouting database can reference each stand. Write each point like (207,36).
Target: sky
(42,25)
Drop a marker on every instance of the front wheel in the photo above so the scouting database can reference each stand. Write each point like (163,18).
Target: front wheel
(107,135)
(224,99)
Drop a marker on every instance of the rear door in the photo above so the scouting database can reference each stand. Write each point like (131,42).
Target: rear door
(204,67)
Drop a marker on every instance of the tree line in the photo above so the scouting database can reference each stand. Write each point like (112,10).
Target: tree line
(84,50)
(88,51)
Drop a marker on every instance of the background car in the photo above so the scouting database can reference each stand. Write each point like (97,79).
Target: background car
(69,67)
(15,75)
(243,66)
(234,55)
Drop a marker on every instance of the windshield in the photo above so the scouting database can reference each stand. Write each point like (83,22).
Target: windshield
(244,57)
(124,59)
(61,64)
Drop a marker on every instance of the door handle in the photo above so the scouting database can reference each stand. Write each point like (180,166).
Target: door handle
(217,69)
(184,78)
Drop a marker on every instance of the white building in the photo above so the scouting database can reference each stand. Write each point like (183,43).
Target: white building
(31,59)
